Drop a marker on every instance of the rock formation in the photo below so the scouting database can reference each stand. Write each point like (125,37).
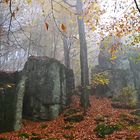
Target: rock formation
(11,100)
(39,92)
(122,71)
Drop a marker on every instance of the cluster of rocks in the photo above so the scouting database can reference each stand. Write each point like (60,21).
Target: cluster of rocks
(122,71)
(40,91)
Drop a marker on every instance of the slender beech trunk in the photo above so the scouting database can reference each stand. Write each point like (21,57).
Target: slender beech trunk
(66,52)
(83,57)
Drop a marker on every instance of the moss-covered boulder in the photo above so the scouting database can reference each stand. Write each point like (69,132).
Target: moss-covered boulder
(48,88)
(39,92)
(11,98)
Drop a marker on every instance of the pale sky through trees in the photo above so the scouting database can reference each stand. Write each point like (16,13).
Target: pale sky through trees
(113,16)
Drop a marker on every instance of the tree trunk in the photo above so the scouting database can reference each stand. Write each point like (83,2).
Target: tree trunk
(66,52)
(83,57)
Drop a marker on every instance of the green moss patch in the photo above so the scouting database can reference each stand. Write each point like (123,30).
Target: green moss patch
(23,135)
(103,129)
(3,139)
(135,127)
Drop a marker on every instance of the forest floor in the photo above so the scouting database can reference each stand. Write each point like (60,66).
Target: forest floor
(100,111)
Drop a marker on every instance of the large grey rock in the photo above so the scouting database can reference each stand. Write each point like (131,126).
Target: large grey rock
(11,99)
(44,84)
(47,88)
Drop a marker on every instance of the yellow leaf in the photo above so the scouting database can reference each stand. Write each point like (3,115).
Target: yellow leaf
(71,21)
(93,28)
(80,17)
(113,58)
(29,1)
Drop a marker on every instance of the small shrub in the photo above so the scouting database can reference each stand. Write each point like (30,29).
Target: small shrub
(128,95)
(103,129)
(24,135)
(100,79)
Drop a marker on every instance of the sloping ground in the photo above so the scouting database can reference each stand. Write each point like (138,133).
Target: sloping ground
(99,112)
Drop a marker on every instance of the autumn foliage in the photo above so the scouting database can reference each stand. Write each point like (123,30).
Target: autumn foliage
(100,112)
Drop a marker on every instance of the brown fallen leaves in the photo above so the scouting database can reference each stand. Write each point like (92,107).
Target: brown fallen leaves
(84,130)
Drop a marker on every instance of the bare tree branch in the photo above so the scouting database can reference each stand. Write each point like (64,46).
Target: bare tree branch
(11,16)
(137,5)
(55,19)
